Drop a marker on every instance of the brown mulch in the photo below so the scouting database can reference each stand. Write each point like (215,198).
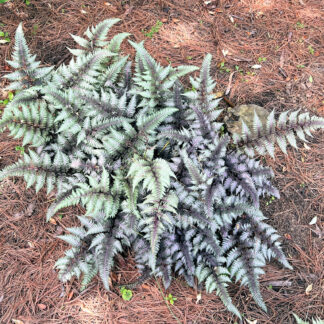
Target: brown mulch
(287,37)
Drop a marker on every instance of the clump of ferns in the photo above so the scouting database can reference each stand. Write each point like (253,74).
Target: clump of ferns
(150,163)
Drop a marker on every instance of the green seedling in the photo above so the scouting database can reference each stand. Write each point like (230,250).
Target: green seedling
(238,69)
(300,25)
(20,149)
(155,29)
(170,299)
(223,68)
(272,199)
(4,37)
(10,96)
(126,294)
(27,2)
(262,59)
(3,1)
(300,66)
(311,50)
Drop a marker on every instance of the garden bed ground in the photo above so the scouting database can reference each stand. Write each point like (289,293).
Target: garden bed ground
(286,39)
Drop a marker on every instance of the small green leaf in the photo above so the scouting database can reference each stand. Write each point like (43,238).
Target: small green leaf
(20,149)
(4,102)
(170,299)
(2,33)
(126,294)
(10,96)
(155,29)
(310,79)
(300,25)
(311,49)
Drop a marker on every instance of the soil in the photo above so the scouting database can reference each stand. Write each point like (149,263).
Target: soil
(285,40)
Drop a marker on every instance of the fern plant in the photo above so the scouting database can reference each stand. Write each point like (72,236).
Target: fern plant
(150,164)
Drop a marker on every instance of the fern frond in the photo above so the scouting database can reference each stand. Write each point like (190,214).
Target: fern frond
(97,38)
(28,73)
(286,131)
(36,170)
(217,279)
(33,122)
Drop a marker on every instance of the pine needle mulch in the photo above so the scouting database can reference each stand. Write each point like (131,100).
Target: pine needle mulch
(286,40)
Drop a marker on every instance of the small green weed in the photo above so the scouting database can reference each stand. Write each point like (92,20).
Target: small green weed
(155,29)
(223,68)
(272,199)
(126,294)
(9,98)
(20,149)
(4,102)
(170,299)
(262,59)
(300,25)
(4,37)
(239,70)
(311,50)
(300,66)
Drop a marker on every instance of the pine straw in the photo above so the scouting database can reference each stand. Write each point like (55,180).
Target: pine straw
(29,288)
